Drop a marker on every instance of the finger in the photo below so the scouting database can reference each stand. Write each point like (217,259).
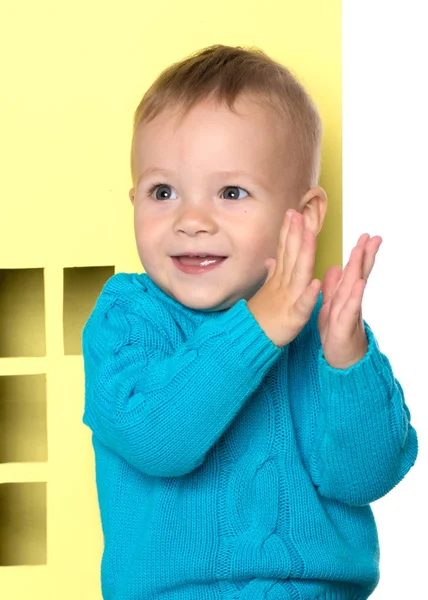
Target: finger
(301,275)
(281,245)
(354,268)
(355,263)
(363,239)
(362,244)
(305,303)
(371,250)
(270,264)
(330,282)
(359,266)
(293,244)
(352,271)
(350,313)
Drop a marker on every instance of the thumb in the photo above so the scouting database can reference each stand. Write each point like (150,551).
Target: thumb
(270,264)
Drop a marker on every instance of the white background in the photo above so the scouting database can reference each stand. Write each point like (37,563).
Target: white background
(385,192)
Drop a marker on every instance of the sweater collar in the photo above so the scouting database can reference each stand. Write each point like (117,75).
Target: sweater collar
(145,281)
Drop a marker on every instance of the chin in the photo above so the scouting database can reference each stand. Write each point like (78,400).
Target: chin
(205,306)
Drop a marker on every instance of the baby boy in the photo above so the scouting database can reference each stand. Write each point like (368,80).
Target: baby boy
(243,415)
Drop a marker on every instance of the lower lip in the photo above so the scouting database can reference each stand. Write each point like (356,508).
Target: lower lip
(196,270)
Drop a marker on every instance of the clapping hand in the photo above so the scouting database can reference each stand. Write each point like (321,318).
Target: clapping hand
(340,320)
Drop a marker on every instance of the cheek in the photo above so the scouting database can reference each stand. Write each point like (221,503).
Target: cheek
(146,242)
(148,230)
(261,240)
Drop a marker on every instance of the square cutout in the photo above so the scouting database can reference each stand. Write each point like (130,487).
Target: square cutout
(23,419)
(82,286)
(22,313)
(23,524)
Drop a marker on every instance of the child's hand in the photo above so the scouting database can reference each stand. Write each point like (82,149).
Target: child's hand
(283,305)
(340,320)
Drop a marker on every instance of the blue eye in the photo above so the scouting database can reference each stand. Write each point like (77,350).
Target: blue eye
(162,192)
(162,188)
(235,189)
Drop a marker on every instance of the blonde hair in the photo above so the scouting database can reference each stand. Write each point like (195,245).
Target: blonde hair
(226,72)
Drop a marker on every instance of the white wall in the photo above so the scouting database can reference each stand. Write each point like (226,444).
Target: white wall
(385,168)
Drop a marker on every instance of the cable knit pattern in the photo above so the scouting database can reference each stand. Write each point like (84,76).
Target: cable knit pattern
(228,468)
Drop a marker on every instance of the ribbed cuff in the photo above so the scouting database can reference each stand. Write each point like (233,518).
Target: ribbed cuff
(370,378)
(245,337)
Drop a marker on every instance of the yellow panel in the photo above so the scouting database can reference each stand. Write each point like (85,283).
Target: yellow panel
(74,74)
(22,323)
(23,423)
(82,286)
(22,524)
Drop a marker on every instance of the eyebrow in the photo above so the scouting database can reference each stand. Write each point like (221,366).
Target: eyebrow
(239,173)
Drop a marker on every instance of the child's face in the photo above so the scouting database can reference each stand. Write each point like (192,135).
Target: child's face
(201,210)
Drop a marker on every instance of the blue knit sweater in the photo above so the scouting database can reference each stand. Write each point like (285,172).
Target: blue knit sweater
(229,468)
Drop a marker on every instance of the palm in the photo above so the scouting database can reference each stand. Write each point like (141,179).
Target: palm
(329,283)
(340,316)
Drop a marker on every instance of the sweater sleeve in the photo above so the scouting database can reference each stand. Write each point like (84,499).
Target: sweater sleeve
(364,443)
(163,408)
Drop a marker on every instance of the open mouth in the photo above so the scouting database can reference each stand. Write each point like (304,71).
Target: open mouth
(197,264)
(199,261)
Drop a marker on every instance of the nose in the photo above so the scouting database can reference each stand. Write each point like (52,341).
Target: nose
(194,219)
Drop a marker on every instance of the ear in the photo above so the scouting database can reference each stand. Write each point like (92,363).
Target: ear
(132,195)
(313,207)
